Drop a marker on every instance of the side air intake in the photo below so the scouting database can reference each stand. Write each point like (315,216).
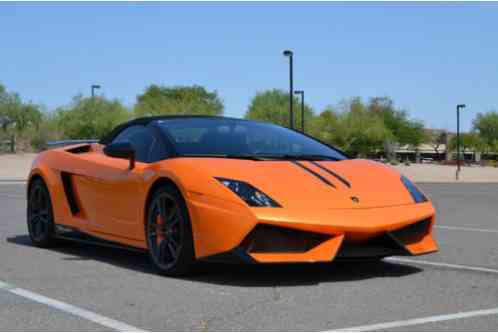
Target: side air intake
(80,149)
(69,192)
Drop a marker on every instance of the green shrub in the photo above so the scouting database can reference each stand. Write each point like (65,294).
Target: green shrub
(88,118)
(39,141)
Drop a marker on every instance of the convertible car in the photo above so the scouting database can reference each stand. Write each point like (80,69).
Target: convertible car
(190,188)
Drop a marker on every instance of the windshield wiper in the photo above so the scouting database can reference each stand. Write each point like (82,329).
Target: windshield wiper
(306,157)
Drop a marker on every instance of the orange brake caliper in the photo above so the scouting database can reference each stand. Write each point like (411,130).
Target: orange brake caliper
(159,232)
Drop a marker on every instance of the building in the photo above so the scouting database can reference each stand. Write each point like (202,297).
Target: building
(437,150)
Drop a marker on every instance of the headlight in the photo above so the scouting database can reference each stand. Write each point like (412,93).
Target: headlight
(414,191)
(251,195)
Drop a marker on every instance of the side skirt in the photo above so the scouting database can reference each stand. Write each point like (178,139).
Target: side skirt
(74,235)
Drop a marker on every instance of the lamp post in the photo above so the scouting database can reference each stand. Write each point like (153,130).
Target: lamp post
(289,54)
(301,92)
(94,86)
(459,106)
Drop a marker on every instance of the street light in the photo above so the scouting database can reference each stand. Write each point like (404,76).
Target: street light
(459,106)
(301,92)
(289,54)
(94,86)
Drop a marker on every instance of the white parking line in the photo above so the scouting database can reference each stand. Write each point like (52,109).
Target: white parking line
(68,308)
(445,265)
(419,321)
(13,182)
(466,229)
(12,196)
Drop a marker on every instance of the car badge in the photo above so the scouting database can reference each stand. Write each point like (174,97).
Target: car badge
(355,199)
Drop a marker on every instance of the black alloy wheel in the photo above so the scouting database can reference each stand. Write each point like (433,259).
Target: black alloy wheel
(40,215)
(168,232)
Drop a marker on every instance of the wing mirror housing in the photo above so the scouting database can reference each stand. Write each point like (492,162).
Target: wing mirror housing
(121,150)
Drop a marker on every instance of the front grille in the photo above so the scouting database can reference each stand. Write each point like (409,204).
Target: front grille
(380,246)
(271,239)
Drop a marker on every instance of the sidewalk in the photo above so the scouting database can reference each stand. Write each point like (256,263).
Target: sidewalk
(15,167)
(432,173)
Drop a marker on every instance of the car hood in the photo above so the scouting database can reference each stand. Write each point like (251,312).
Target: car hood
(300,184)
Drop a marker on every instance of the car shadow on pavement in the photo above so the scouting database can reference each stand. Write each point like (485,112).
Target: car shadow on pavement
(298,274)
(234,275)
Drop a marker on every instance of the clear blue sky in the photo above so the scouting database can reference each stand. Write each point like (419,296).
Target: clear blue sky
(427,57)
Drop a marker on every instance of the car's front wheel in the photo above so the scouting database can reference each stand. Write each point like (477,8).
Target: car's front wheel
(40,215)
(169,233)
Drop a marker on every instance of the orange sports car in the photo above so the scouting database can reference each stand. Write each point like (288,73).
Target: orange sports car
(188,188)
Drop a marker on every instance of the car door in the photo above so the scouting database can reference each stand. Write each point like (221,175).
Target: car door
(118,191)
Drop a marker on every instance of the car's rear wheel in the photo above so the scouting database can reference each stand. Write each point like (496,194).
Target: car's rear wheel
(40,215)
(169,232)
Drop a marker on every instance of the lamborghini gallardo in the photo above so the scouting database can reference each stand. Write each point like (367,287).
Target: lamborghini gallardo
(191,188)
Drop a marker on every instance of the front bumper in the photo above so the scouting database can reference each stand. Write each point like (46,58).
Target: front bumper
(273,235)
(415,239)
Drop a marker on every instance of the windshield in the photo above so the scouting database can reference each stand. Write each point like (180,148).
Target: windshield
(233,137)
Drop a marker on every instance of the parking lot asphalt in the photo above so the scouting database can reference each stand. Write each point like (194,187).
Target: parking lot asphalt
(89,288)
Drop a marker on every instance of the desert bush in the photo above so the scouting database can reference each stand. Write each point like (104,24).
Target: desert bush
(160,100)
(89,118)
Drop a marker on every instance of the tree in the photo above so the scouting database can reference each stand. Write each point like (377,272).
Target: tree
(90,118)
(486,125)
(415,135)
(364,132)
(437,139)
(327,127)
(22,115)
(47,131)
(468,142)
(273,106)
(193,100)
(403,130)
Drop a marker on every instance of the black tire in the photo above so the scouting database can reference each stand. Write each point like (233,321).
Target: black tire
(40,217)
(169,232)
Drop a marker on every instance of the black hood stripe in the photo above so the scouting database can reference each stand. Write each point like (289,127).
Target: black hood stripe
(317,175)
(330,172)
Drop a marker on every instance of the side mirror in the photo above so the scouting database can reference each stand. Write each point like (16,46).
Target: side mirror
(121,150)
